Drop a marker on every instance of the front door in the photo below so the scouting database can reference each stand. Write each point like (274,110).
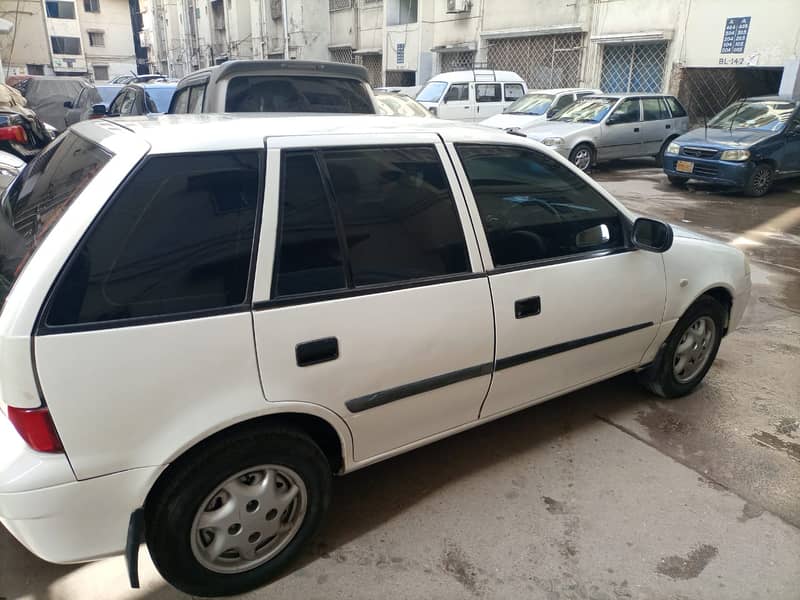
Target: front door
(621,134)
(374,303)
(791,149)
(573,302)
(457,104)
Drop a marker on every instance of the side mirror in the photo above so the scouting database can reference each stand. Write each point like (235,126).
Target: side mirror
(651,235)
(552,113)
(68,104)
(612,120)
(593,237)
(99,110)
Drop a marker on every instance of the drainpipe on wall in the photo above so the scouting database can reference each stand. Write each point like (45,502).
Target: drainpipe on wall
(285,9)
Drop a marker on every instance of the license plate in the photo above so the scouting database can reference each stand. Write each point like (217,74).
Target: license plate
(684,166)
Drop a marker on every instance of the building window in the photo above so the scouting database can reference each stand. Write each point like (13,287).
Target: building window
(339,4)
(91,5)
(373,63)
(633,67)
(60,10)
(97,39)
(65,45)
(35,69)
(456,61)
(100,72)
(401,12)
(543,61)
(343,54)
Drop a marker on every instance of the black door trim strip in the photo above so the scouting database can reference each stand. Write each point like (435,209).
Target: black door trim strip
(418,387)
(519,359)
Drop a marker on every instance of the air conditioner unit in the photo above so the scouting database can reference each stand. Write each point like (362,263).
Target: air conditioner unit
(458,6)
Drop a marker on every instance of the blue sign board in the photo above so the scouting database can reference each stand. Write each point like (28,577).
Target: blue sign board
(735,36)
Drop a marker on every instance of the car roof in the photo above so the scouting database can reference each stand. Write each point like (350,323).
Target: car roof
(632,95)
(167,134)
(276,67)
(595,91)
(480,75)
(773,99)
(149,86)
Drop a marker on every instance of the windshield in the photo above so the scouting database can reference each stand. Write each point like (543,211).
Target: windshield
(403,106)
(764,115)
(107,93)
(432,92)
(532,104)
(38,197)
(588,110)
(277,93)
(160,97)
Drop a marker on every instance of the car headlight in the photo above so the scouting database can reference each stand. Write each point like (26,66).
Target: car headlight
(735,155)
(673,148)
(553,142)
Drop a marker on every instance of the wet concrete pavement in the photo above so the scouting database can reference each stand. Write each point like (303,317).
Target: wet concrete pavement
(604,494)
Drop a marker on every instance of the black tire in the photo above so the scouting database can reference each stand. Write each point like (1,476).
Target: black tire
(760,180)
(660,156)
(578,153)
(660,378)
(677,181)
(172,506)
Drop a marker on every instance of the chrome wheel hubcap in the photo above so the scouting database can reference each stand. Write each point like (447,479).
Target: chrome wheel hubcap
(694,349)
(249,519)
(582,159)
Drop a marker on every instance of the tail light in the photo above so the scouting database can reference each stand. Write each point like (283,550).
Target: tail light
(36,427)
(14,133)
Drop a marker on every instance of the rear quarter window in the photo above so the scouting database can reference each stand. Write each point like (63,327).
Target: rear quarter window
(297,94)
(38,198)
(675,107)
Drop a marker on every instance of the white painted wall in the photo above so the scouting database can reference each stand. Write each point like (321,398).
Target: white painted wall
(114,20)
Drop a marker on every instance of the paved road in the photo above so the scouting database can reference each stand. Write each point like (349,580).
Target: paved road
(604,494)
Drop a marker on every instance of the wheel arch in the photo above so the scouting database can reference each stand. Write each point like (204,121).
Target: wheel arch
(721,294)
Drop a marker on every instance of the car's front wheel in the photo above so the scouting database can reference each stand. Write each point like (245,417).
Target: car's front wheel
(582,156)
(231,516)
(689,351)
(760,180)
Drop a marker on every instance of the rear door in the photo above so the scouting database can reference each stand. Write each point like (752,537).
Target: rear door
(457,103)
(656,125)
(373,303)
(621,134)
(488,100)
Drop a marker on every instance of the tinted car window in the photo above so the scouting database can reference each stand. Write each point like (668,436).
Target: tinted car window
(458,92)
(116,105)
(534,208)
(399,217)
(196,95)
(563,102)
(653,109)
(675,107)
(487,92)
(38,197)
(180,104)
(159,98)
(177,238)
(297,94)
(309,258)
(627,111)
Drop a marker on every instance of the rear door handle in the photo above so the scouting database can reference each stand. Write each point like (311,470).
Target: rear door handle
(527,307)
(669,126)
(316,351)
(635,130)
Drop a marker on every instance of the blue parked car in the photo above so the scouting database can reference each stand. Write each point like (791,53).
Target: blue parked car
(748,145)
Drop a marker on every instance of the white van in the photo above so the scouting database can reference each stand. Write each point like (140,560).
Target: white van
(471,95)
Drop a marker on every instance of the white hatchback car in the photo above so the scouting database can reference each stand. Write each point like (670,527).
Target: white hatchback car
(205,317)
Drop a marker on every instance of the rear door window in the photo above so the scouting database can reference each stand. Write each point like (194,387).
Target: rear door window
(297,94)
(38,197)
(177,239)
(487,92)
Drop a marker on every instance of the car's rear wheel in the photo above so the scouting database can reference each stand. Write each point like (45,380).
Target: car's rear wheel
(689,351)
(228,518)
(677,181)
(760,180)
(582,156)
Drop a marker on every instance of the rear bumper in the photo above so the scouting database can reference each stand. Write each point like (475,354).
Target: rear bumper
(60,519)
(720,172)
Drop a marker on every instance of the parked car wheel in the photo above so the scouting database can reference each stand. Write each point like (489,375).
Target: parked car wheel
(582,156)
(235,513)
(760,180)
(689,351)
(677,181)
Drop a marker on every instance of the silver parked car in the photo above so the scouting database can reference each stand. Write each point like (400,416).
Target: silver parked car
(536,107)
(609,126)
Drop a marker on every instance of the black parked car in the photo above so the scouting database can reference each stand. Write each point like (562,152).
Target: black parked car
(138,99)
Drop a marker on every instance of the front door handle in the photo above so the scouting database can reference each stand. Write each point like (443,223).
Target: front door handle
(527,307)
(669,126)
(635,130)
(316,351)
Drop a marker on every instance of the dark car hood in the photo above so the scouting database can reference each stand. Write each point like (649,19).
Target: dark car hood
(737,138)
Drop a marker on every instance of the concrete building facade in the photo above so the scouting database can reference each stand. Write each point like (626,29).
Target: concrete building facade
(68,37)
(707,51)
